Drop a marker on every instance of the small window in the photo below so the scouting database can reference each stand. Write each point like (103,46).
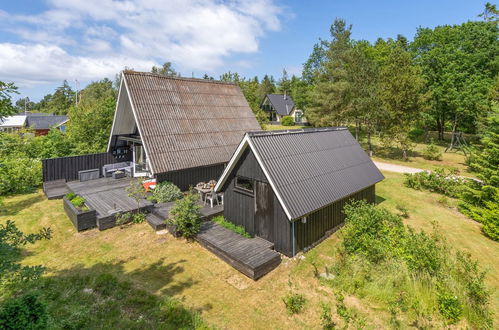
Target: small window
(244,184)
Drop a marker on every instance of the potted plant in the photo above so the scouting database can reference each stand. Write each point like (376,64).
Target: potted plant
(79,212)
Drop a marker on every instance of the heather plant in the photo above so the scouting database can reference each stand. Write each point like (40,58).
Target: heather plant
(439,181)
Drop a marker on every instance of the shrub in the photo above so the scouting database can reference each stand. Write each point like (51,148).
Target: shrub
(326,318)
(123,218)
(138,217)
(450,307)
(70,195)
(294,303)
(287,121)
(438,181)
(25,312)
(432,152)
(19,174)
(411,272)
(229,225)
(184,215)
(166,192)
(78,201)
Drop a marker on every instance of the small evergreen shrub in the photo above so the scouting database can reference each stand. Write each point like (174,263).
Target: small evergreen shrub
(432,152)
(123,218)
(184,215)
(25,312)
(287,121)
(294,303)
(166,192)
(229,225)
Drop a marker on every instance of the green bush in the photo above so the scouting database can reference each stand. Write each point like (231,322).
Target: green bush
(409,272)
(294,303)
(138,217)
(123,218)
(326,318)
(25,312)
(19,174)
(229,225)
(70,195)
(78,201)
(184,215)
(432,152)
(450,307)
(166,192)
(439,180)
(287,121)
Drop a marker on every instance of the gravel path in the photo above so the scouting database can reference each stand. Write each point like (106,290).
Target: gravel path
(397,168)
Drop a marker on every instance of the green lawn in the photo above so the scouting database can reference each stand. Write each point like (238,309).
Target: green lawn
(168,267)
(281,127)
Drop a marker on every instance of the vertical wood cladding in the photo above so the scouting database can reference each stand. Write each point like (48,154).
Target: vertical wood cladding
(191,176)
(321,222)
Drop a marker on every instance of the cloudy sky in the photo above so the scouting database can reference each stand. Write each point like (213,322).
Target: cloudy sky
(44,42)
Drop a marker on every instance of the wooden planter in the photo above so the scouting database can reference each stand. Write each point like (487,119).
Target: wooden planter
(81,220)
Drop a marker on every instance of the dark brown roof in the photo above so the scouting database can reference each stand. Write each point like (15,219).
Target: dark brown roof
(187,122)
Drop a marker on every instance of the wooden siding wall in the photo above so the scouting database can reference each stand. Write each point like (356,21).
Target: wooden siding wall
(239,208)
(67,167)
(191,176)
(321,222)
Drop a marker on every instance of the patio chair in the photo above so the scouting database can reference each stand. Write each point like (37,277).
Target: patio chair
(221,195)
(211,196)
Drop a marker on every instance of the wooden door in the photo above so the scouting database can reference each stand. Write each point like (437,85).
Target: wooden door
(264,220)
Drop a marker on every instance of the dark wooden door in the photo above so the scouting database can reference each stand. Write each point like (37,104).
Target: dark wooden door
(264,220)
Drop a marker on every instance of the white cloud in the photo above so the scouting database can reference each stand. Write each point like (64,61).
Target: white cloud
(92,39)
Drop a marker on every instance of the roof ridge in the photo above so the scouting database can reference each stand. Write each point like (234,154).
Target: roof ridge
(296,131)
(157,75)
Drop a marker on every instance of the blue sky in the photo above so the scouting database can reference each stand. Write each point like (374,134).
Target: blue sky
(44,42)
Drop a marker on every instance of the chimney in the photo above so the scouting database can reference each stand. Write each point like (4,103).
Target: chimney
(284,94)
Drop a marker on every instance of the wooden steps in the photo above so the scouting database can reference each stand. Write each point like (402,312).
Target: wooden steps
(156,222)
(55,189)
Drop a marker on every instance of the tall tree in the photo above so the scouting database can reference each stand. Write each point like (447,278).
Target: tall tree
(401,97)
(6,91)
(330,96)
(459,64)
(59,102)
(90,121)
(267,86)
(166,70)
(284,84)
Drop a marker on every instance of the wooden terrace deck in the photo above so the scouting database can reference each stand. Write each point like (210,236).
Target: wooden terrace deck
(108,197)
(253,257)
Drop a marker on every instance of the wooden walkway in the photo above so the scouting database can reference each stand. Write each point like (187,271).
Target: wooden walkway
(161,211)
(253,257)
(108,197)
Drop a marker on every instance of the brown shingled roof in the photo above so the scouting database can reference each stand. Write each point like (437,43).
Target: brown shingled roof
(188,122)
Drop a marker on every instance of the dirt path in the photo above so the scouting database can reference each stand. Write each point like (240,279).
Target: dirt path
(397,168)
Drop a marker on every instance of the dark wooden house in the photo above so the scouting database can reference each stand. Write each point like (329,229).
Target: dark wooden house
(289,187)
(182,130)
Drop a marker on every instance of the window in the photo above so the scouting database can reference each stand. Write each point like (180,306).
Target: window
(244,184)
(298,115)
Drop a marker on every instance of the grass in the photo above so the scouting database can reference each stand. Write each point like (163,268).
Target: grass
(229,225)
(281,127)
(168,267)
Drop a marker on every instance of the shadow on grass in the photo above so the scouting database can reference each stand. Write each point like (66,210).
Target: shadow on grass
(107,296)
(11,208)
(379,199)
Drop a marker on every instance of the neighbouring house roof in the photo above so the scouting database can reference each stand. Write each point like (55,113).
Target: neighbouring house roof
(186,122)
(282,103)
(309,169)
(43,121)
(13,121)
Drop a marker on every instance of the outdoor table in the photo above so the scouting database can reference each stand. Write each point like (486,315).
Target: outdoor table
(202,191)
